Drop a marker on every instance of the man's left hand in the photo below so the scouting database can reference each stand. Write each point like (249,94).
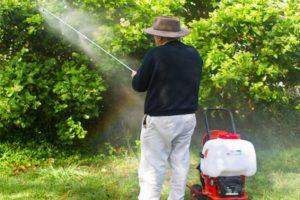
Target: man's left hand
(133,74)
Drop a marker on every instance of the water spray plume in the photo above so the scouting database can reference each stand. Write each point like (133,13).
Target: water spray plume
(86,38)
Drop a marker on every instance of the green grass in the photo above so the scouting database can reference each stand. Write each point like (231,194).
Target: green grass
(115,177)
(278,175)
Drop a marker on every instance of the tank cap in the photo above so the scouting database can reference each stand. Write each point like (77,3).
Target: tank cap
(230,136)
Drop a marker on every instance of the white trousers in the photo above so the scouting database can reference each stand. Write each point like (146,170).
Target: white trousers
(165,139)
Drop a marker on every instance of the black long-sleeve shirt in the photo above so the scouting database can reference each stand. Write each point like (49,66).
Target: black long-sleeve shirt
(171,76)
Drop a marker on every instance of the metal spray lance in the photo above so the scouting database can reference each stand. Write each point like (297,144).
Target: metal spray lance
(88,39)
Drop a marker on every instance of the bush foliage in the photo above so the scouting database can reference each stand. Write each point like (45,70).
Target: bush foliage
(250,48)
(251,53)
(45,92)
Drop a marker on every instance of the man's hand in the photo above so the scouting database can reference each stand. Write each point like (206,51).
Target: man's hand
(133,74)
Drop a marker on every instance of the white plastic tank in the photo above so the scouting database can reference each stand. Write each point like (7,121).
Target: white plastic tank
(228,157)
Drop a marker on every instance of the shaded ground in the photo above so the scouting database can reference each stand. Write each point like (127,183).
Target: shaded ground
(278,177)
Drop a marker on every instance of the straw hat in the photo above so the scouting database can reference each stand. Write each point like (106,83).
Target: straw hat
(167,27)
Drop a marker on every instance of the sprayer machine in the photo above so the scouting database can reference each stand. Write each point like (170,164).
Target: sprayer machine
(225,162)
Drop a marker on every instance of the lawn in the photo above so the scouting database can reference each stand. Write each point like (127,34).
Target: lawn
(114,176)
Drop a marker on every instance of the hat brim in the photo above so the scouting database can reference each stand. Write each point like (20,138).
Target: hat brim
(183,32)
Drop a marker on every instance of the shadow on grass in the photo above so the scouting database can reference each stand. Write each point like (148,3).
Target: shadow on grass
(70,183)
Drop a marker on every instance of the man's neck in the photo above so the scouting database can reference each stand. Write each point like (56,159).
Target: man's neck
(168,41)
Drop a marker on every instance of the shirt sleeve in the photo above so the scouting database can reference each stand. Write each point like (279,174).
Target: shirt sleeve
(141,80)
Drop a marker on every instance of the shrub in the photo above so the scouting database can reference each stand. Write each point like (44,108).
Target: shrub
(251,54)
(49,98)
(46,90)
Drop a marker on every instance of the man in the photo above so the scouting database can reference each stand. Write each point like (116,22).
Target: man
(170,73)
